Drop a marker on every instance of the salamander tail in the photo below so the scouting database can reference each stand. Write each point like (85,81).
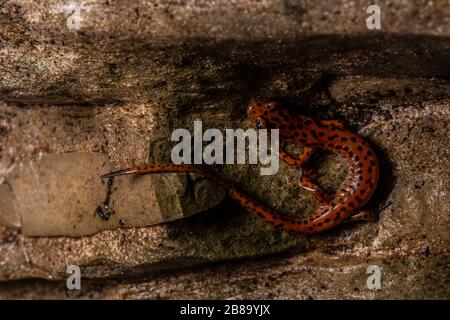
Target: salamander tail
(121,172)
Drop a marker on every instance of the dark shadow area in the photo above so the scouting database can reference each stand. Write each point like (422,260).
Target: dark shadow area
(386,182)
(204,71)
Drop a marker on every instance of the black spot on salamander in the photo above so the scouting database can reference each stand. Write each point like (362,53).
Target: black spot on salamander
(337,217)
(360,148)
(307,122)
(304,135)
(283,116)
(314,133)
(353,139)
(333,137)
(343,139)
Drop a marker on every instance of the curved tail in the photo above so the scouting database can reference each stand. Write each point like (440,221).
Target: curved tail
(322,219)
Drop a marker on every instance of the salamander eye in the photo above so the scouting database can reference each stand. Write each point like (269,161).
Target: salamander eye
(260,123)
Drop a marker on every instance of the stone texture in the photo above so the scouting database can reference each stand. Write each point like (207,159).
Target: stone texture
(58,194)
(130,75)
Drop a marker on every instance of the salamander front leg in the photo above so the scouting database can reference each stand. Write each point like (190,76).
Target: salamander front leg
(289,160)
(295,162)
(336,123)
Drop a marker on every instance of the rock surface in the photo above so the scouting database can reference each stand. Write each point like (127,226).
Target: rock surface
(62,195)
(119,85)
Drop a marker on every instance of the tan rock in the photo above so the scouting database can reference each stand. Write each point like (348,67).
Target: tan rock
(57,195)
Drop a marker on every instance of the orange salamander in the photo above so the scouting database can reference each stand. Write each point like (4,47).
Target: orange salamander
(329,135)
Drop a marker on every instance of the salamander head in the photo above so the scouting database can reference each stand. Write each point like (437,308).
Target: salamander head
(259,112)
(269,114)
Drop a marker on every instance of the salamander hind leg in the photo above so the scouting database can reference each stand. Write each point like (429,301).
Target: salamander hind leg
(363,215)
(305,178)
(318,193)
